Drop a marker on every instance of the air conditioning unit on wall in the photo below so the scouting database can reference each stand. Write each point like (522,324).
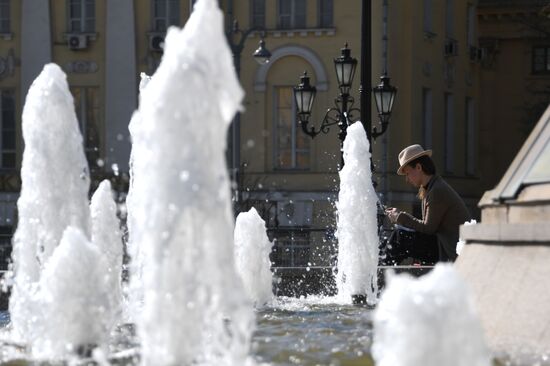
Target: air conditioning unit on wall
(156,42)
(77,41)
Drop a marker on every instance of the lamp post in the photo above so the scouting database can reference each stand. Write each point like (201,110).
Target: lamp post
(343,113)
(262,56)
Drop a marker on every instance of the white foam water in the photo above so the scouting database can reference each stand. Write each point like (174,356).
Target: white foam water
(252,249)
(428,321)
(54,193)
(195,310)
(107,238)
(133,289)
(75,299)
(357,227)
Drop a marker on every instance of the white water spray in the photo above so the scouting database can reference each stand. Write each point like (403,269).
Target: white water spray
(75,299)
(428,321)
(195,310)
(357,222)
(252,249)
(54,192)
(134,289)
(106,237)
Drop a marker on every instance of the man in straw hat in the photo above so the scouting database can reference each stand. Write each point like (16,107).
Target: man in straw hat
(443,211)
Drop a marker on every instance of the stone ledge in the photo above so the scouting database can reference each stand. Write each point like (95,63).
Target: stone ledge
(518,233)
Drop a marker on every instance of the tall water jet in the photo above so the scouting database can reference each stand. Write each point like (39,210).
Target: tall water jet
(252,249)
(357,229)
(54,190)
(195,310)
(134,289)
(429,321)
(107,238)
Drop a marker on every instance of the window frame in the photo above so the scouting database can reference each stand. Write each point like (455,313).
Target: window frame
(427,118)
(5,18)
(471,25)
(293,135)
(470,137)
(93,153)
(449,133)
(427,17)
(83,17)
(253,14)
(449,19)
(321,12)
(12,151)
(546,69)
(292,15)
(171,16)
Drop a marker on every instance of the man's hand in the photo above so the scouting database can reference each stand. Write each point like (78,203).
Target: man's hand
(392,214)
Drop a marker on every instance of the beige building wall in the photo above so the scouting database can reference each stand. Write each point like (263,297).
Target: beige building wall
(513,96)
(417,61)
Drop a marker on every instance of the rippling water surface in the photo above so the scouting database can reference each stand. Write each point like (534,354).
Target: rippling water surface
(314,331)
(300,332)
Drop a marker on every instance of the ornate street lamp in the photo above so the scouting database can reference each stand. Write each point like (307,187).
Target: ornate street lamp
(304,94)
(262,54)
(345,69)
(342,114)
(384,96)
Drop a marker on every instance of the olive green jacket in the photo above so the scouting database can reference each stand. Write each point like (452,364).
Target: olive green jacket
(443,211)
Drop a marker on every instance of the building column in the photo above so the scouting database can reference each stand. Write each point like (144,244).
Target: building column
(121,81)
(36,41)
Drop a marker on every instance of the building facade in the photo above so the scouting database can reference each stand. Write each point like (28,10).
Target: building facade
(514,79)
(428,47)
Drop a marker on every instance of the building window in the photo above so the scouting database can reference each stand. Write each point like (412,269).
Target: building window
(326,11)
(470,26)
(290,248)
(7,129)
(165,14)
(541,59)
(6,234)
(427,118)
(257,10)
(428,17)
(292,146)
(449,19)
(471,136)
(4,16)
(449,133)
(291,14)
(86,100)
(81,16)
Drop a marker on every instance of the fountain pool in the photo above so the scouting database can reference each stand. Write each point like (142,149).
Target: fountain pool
(308,332)
(291,331)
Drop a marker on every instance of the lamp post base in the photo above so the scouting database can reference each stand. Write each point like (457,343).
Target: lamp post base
(361,299)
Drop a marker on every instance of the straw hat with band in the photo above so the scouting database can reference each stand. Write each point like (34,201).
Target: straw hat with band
(410,153)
